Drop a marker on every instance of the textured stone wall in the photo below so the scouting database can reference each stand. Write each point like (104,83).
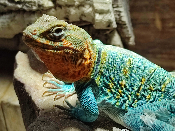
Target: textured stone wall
(107,20)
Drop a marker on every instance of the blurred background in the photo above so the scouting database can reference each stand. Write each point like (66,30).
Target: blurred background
(153,24)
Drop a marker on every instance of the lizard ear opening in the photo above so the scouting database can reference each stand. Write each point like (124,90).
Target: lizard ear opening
(56,34)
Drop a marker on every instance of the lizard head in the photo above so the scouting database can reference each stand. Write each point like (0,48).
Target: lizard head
(65,49)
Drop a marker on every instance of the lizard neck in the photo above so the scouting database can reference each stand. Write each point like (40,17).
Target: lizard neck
(68,67)
(84,83)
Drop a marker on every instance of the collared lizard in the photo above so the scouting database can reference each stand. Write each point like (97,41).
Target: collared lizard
(133,91)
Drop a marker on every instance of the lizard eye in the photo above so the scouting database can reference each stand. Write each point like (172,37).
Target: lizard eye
(55,34)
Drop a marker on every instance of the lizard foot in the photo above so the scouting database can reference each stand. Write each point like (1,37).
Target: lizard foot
(57,87)
(78,113)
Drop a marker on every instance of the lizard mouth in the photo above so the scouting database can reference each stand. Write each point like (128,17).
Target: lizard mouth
(52,47)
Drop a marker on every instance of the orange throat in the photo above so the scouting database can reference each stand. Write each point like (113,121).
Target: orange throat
(67,67)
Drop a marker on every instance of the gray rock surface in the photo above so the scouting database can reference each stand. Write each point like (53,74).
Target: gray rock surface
(38,111)
(101,16)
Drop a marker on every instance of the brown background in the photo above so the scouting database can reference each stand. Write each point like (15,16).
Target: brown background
(154,28)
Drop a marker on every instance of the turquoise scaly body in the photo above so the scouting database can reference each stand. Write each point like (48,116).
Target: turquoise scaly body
(131,90)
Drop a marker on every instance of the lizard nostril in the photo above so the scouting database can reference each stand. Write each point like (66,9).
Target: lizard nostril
(34,32)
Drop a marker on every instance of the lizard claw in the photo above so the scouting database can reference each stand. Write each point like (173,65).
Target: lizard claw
(69,104)
(62,108)
(57,87)
(49,77)
(69,110)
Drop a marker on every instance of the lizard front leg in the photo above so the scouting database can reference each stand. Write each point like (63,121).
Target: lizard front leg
(58,87)
(87,111)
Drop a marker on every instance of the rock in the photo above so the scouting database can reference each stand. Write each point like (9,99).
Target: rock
(38,111)
(11,110)
(104,16)
(10,113)
(27,5)
(16,15)
(5,83)
(114,39)
(14,23)
(123,20)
